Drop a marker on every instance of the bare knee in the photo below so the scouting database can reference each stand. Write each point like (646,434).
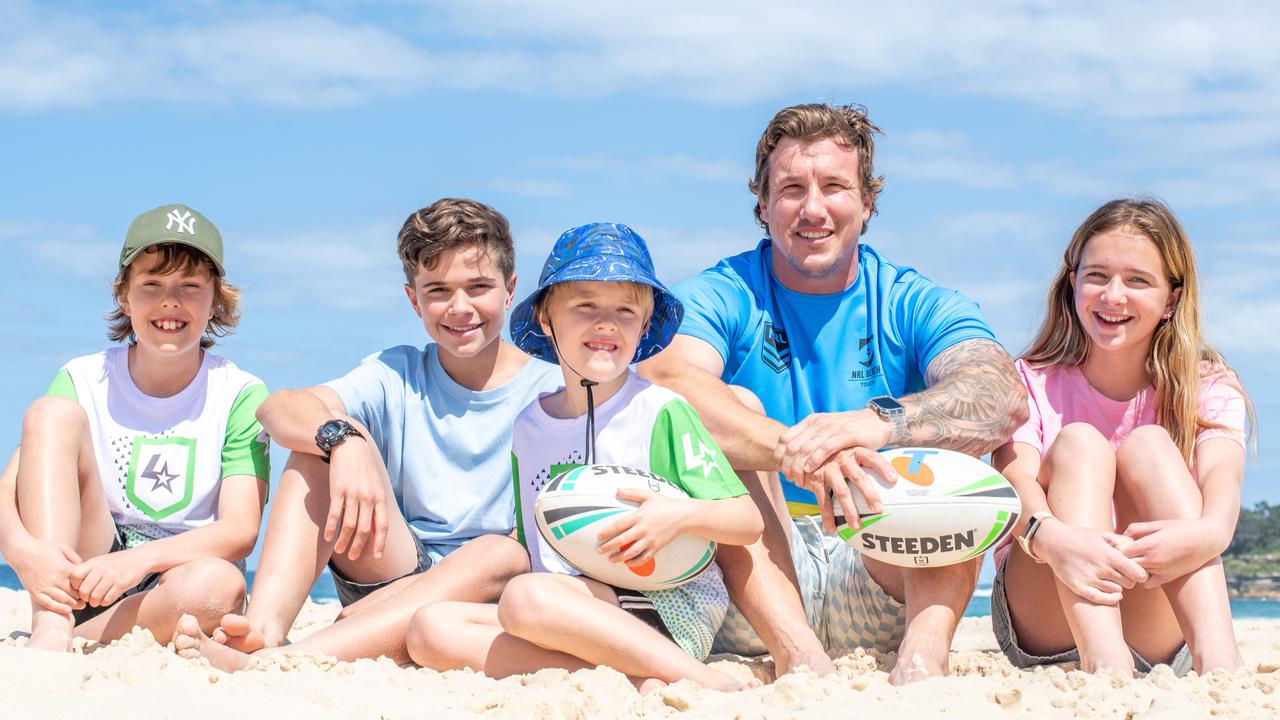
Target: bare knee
(207,588)
(504,556)
(1079,446)
(1143,450)
(526,602)
(428,639)
(54,414)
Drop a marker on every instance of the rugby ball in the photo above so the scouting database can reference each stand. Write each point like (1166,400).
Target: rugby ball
(948,508)
(575,506)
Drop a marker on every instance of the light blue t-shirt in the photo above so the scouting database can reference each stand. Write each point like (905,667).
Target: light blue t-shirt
(447,448)
(803,354)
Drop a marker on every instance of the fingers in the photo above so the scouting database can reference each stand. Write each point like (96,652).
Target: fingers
(334,518)
(635,495)
(612,537)
(54,600)
(71,555)
(379,527)
(852,465)
(626,545)
(826,508)
(1141,529)
(364,525)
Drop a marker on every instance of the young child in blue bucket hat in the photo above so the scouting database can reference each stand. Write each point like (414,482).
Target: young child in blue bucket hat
(597,309)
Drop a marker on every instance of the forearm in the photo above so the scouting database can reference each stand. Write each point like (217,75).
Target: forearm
(747,437)
(730,521)
(974,402)
(291,418)
(1221,508)
(231,540)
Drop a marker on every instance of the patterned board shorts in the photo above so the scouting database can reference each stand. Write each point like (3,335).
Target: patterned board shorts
(693,612)
(845,607)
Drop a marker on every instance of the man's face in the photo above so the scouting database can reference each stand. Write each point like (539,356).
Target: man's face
(462,300)
(815,212)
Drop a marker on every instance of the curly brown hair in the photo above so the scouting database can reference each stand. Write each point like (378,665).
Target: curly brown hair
(846,124)
(449,223)
(179,258)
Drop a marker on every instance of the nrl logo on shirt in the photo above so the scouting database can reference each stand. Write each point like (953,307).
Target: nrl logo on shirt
(866,358)
(775,351)
(161,475)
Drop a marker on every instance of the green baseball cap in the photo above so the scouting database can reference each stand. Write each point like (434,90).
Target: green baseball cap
(174,223)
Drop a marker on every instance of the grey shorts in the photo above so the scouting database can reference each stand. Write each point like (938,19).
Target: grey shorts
(846,608)
(1002,625)
(349,591)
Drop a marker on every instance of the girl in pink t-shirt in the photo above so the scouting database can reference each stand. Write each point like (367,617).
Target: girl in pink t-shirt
(1129,466)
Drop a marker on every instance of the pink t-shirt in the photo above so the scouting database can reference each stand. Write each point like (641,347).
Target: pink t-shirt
(1060,395)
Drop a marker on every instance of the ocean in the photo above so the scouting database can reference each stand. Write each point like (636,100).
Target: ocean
(979,606)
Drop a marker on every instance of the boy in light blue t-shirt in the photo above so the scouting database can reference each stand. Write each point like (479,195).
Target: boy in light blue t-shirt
(400,466)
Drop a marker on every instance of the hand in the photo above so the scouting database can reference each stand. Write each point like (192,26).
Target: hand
(834,478)
(636,538)
(1169,549)
(44,568)
(101,581)
(1088,561)
(357,500)
(804,447)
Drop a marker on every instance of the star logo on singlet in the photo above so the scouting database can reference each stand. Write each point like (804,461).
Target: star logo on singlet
(160,475)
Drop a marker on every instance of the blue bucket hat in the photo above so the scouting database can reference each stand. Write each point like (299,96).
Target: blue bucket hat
(601,252)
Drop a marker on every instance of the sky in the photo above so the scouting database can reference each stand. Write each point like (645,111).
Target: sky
(307,132)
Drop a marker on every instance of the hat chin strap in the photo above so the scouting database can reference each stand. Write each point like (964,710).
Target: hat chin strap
(589,449)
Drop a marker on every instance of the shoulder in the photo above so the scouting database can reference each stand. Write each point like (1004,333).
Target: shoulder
(736,274)
(231,373)
(1218,380)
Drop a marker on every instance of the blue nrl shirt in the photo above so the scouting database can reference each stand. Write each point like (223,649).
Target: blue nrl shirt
(803,354)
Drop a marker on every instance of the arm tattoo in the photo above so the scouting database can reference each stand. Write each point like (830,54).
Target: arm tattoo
(974,402)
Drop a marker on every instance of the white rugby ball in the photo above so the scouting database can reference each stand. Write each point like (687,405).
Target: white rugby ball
(575,506)
(948,508)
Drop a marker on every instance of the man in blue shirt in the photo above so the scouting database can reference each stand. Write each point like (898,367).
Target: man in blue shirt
(804,356)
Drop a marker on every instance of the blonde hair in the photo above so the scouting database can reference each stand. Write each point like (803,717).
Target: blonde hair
(848,125)
(176,257)
(638,293)
(1179,356)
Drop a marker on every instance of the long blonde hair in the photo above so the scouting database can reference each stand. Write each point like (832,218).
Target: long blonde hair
(1179,356)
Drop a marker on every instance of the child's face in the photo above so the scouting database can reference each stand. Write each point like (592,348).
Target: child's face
(170,312)
(462,300)
(1121,290)
(597,328)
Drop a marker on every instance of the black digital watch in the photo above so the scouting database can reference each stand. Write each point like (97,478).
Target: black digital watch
(332,434)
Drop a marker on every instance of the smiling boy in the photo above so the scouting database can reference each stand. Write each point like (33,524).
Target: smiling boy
(400,466)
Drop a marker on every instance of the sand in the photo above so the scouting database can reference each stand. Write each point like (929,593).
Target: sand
(136,678)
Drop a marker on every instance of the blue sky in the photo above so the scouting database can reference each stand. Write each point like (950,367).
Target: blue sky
(307,132)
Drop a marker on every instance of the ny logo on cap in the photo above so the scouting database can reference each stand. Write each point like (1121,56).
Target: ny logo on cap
(185,220)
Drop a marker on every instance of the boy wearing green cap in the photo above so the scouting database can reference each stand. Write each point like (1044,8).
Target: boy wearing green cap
(138,487)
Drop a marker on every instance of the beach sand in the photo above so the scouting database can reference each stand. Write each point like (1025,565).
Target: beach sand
(136,678)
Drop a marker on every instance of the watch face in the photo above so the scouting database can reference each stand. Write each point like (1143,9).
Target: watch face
(889,404)
(329,433)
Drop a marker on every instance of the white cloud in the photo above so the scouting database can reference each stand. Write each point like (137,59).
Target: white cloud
(63,249)
(1189,59)
(655,168)
(531,188)
(943,157)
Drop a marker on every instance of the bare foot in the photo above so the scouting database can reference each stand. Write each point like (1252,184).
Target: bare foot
(914,667)
(724,682)
(51,641)
(817,662)
(190,642)
(648,685)
(237,633)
